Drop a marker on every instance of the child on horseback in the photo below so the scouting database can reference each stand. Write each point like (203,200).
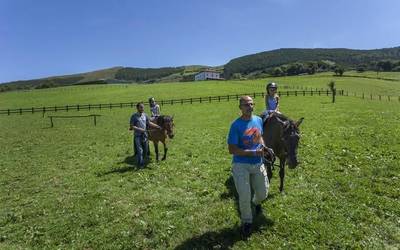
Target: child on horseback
(271,101)
(154,108)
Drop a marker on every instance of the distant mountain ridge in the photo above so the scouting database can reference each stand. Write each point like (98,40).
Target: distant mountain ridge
(268,62)
(344,57)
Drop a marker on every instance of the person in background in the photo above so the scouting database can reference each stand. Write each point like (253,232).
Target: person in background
(154,108)
(271,101)
(140,124)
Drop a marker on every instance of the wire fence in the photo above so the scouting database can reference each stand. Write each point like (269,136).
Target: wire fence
(182,101)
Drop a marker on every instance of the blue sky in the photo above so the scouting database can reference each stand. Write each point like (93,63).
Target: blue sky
(40,38)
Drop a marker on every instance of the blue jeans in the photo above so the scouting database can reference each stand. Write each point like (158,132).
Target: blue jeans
(141,143)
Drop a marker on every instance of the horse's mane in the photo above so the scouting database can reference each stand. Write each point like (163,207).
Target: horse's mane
(282,117)
(163,118)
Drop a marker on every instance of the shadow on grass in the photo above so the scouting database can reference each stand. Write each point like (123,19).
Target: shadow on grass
(224,238)
(131,166)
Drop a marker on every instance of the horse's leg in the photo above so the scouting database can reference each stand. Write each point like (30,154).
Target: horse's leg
(281,173)
(269,172)
(155,143)
(165,150)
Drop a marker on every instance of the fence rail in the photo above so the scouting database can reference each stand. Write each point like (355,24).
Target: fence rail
(207,99)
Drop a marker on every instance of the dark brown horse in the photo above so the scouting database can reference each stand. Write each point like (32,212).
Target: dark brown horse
(160,135)
(282,135)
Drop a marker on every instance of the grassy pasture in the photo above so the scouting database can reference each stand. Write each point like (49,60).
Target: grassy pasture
(75,185)
(133,92)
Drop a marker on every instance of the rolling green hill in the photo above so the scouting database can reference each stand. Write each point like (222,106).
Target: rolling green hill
(280,62)
(265,61)
(112,75)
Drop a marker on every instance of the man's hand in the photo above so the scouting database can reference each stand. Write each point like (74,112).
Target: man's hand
(259,152)
(268,154)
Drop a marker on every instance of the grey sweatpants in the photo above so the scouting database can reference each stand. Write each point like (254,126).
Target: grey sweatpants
(247,177)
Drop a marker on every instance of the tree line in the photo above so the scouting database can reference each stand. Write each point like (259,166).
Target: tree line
(309,61)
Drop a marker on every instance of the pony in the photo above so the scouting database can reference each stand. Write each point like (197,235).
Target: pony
(160,135)
(282,135)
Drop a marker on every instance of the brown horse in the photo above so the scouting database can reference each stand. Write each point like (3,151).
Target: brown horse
(282,135)
(160,135)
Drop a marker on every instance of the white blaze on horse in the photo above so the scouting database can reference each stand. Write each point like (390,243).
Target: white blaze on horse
(160,135)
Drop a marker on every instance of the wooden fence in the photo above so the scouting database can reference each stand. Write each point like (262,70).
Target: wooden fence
(207,99)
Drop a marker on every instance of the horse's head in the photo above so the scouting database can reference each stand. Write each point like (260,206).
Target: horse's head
(168,125)
(291,137)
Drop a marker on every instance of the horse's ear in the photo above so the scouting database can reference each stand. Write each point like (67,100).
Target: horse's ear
(299,122)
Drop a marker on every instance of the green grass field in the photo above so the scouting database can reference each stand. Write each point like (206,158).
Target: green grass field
(75,186)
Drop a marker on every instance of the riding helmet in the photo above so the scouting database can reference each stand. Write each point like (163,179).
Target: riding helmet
(272,85)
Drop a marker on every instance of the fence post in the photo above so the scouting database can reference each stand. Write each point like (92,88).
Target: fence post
(219,98)
(371,96)
(312,92)
(304,93)
(319,92)
(20,111)
(172,102)
(200,99)
(51,121)
(55,108)
(295,92)
(77,107)
(287,93)
(109,105)
(8,110)
(66,107)
(191,100)
(363,96)
(227,98)
(254,95)
(379,97)
(94,120)
(388,98)
(100,106)
(33,110)
(162,102)
(209,99)
(181,101)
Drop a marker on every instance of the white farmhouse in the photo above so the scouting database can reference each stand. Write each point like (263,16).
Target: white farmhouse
(207,75)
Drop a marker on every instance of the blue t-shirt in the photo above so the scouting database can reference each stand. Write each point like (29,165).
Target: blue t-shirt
(271,103)
(246,134)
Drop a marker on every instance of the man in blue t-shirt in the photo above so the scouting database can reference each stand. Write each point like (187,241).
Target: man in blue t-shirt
(246,145)
(140,123)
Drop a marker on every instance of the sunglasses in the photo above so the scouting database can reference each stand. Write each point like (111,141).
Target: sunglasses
(247,104)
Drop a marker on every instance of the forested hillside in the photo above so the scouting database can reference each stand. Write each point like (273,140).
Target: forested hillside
(311,60)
